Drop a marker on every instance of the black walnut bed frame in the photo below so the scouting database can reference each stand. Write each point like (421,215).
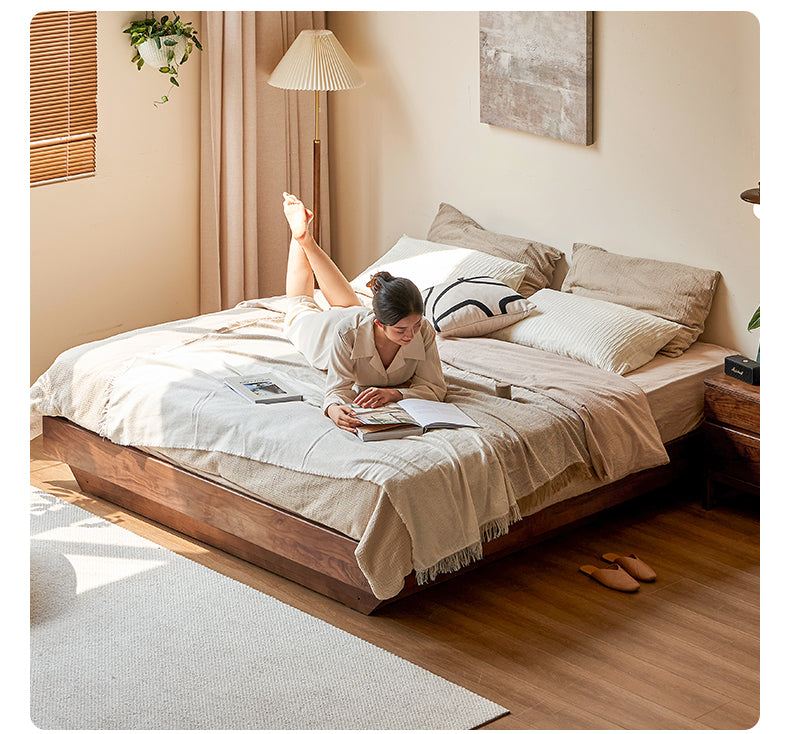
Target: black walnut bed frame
(308,553)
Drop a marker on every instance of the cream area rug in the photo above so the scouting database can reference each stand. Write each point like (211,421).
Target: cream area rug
(128,635)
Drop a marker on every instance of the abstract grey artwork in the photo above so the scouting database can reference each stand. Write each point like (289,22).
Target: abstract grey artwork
(536,72)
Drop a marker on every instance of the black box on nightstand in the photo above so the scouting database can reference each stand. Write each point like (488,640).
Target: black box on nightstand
(742,368)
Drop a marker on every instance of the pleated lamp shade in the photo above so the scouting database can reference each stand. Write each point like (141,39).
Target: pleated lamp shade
(316,61)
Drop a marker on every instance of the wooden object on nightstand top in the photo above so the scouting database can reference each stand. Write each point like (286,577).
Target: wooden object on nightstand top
(732,434)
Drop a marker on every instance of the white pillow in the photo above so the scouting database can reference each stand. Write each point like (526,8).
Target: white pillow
(428,263)
(473,306)
(605,335)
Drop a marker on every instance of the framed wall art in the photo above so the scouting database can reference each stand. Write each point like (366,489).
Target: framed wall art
(536,72)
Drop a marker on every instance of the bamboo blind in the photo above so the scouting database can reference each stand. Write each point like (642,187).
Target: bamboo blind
(63,116)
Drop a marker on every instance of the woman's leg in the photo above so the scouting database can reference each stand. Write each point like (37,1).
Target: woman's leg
(299,279)
(333,284)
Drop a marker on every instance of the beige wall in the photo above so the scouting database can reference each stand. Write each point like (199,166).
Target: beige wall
(676,131)
(120,250)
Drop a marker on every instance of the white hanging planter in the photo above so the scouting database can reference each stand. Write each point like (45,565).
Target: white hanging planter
(157,56)
(165,53)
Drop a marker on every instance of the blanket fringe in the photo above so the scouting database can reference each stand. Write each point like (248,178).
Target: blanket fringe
(452,563)
(474,552)
(500,526)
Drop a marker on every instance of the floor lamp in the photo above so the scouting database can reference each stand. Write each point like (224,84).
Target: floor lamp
(316,62)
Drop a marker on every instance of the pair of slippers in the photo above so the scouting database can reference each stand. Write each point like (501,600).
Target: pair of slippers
(623,574)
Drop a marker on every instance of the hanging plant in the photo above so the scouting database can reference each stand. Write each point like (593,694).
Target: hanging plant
(164,44)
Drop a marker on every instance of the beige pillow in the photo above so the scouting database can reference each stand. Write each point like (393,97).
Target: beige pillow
(679,293)
(454,228)
(606,335)
(473,306)
(428,263)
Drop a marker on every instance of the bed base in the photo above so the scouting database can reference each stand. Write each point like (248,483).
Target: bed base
(279,541)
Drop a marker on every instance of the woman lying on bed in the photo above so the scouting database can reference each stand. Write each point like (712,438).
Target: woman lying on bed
(380,350)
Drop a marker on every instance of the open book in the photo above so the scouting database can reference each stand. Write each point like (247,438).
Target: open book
(409,417)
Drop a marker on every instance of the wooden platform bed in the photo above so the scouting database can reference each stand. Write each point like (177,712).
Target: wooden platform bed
(310,554)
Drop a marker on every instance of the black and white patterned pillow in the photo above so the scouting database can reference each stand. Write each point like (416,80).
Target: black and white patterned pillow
(473,306)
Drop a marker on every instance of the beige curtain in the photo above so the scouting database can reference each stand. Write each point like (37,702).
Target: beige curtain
(256,142)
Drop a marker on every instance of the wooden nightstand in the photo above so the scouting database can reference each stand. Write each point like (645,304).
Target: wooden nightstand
(732,435)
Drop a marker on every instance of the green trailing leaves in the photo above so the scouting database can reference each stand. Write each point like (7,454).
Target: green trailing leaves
(148,28)
(163,32)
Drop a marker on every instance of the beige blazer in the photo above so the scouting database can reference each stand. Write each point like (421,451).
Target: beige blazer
(354,363)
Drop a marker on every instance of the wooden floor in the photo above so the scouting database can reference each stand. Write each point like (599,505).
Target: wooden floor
(535,635)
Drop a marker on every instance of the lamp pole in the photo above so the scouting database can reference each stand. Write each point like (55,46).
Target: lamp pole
(316,173)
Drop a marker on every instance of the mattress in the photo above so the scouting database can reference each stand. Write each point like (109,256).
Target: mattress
(674,386)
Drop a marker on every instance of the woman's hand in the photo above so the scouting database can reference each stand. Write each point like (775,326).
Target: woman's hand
(375,397)
(343,417)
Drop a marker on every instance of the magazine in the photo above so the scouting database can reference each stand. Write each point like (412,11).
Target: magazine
(262,388)
(409,417)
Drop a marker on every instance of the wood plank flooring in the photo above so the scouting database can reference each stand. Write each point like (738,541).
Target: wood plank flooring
(534,634)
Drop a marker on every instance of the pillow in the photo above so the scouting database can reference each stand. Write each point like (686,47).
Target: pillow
(606,335)
(473,306)
(428,263)
(451,227)
(679,293)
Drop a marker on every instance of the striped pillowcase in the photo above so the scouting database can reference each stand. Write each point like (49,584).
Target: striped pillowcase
(473,306)
(606,335)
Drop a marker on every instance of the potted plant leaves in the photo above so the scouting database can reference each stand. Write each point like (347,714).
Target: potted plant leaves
(164,44)
(754,323)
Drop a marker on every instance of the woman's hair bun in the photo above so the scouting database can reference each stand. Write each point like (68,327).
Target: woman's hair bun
(377,280)
(394,298)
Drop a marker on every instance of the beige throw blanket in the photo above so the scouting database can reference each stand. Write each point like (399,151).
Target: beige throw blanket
(622,436)
(163,387)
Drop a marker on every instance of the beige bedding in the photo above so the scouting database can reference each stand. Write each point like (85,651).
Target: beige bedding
(424,503)
(674,386)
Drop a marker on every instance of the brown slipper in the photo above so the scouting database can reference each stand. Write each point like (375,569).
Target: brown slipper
(633,565)
(612,576)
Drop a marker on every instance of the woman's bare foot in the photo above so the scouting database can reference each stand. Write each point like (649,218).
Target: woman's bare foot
(314,261)
(297,215)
